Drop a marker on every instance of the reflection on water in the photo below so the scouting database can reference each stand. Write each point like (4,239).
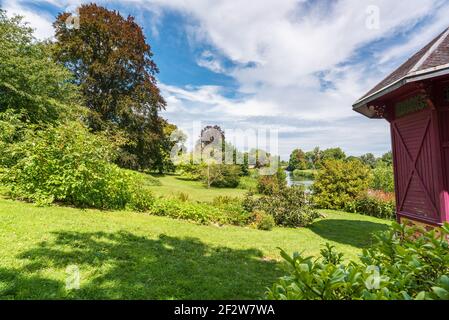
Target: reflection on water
(292,181)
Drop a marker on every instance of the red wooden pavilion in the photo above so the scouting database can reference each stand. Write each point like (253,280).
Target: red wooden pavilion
(414,99)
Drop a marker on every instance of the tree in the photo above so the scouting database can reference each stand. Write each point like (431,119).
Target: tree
(172,137)
(30,81)
(369,159)
(387,158)
(313,158)
(297,160)
(244,167)
(112,64)
(333,154)
(383,177)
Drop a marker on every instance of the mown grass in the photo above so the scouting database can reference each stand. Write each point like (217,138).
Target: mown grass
(136,256)
(174,185)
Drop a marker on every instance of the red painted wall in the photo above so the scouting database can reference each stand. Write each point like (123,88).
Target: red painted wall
(414,146)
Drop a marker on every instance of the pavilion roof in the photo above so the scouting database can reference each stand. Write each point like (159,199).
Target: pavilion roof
(429,62)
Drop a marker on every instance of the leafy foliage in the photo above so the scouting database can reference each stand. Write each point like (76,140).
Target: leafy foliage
(203,213)
(270,184)
(339,182)
(221,175)
(401,265)
(289,207)
(383,178)
(112,64)
(333,154)
(374,203)
(244,167)
(191,171)
(263,221)
(297,160)
(31,83)
(369,160)
(68,164)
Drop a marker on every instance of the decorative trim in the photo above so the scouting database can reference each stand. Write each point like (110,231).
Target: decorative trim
(410,105)
(446,94)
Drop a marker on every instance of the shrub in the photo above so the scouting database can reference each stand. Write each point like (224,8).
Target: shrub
(339,182)
(12,130)
(221,176)
(225,200)
(374,203)
(400,265)
(232,207)
(68,164)
(289,207)
(202,213)
(270,184)
(190,171)
(383,178)
(141,199)
(263,221)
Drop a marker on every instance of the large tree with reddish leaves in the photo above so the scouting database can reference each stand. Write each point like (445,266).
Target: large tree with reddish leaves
(112,64)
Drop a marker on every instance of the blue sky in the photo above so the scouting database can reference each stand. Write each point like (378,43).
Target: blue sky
(294,66)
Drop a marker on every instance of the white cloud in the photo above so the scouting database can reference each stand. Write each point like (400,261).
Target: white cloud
(292,44)
(283,52)
(41,22)
(209,61)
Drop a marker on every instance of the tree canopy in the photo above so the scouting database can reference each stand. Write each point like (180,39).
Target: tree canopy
(30,81)
(112,64)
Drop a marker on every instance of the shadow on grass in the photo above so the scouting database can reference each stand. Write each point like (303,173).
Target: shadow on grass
(351,232)
(122,265)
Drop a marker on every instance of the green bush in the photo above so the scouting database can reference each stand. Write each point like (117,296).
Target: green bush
(374,203)
(30,80)
(289,207)
(403,264)
(270,184)
(383,178)
(202,213)
(263,221)
(70,165)
(12,130)
(190,171)
(221,175)
(232,207)
(339,182)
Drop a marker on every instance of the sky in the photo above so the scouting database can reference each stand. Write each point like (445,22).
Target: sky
(294,67)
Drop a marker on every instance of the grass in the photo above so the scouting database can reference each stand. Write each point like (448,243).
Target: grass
(173,186)
(136,256)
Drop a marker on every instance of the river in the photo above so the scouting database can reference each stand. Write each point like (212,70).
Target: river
(292,181)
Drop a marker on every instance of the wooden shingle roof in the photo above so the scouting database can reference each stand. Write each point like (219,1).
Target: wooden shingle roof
(430,61)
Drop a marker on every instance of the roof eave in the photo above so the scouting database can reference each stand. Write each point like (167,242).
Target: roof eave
(362,105)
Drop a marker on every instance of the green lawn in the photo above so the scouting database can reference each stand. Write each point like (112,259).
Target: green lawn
(173,185)
(137,256)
